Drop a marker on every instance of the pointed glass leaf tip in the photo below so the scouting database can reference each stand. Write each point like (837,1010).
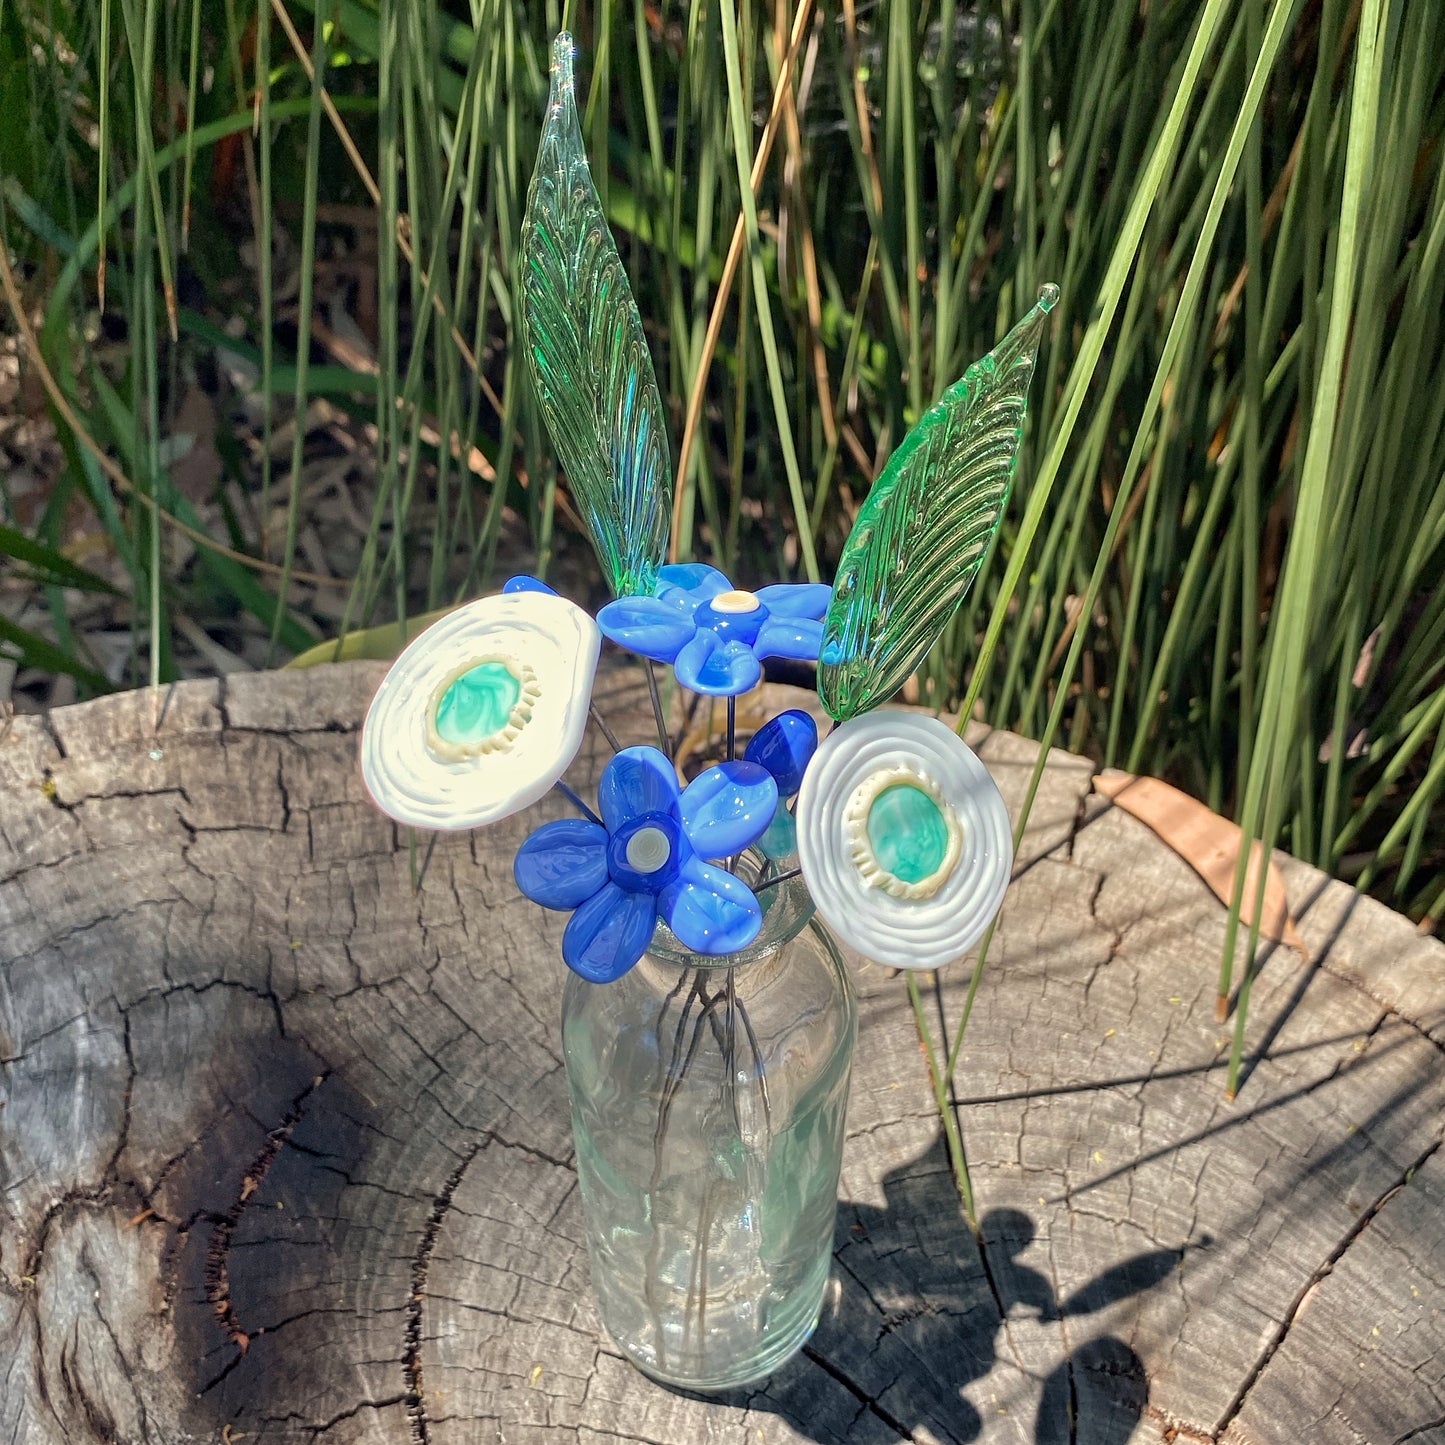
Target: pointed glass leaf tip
(926,525)
(1020,345)
(561,87)
(586,352)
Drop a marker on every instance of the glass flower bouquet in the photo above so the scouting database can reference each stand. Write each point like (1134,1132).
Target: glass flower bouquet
(708,1020)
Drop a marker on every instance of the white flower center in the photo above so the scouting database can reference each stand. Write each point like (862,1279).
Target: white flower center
(736,601)
(648,850)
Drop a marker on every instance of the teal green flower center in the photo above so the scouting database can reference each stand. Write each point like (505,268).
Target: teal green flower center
(478,704)
(908,833)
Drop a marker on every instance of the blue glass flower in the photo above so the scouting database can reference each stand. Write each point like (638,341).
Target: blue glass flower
(784,745)
(646,860)
(715,635)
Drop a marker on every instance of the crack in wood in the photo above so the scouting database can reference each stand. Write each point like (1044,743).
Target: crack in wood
(997,1295)
(1174,1429)
(97,1196)
(50,791)
(47,720)
(1419,1430)
(421,1267)
(1292,1314)
(1070,1379)
(100,1423)
(1236,1121)
(88,1265)
(871,1405)
(285,793)
(217,1275)
(318,1431)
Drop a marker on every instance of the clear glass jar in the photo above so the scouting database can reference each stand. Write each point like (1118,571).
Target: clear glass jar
(708,1104)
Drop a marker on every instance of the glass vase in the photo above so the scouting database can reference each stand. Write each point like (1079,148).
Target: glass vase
(708,1104)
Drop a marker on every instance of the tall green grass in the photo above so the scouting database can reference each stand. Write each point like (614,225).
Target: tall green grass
(1223,558)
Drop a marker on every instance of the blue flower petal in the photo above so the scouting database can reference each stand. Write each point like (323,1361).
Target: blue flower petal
(637,781)
(562,864)
(646,625)
(785,746)
(726,808)
(799,637)
(802,599)
(609,933)
(709,910)
(678,600)
(720,669)
(697,579)
(524,583)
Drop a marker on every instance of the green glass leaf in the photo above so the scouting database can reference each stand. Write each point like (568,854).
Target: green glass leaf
(590,366)
(928,521)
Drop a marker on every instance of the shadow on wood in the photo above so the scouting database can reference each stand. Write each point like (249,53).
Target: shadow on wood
(912,1281)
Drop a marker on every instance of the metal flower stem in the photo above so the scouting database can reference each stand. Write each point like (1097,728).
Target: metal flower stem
(662,738)
(576,801)
(603,728)
(679,1063)
(418,875)
(783,878)
(664,1109)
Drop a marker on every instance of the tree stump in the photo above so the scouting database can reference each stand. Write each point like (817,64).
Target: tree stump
(285,1147)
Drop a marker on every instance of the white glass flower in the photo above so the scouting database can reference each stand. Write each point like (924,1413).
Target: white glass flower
(903,839)
(483,712)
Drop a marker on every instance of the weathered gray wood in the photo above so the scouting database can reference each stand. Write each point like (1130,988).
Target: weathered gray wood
(285,1154)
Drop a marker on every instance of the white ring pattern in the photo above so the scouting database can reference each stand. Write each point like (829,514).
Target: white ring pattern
(648,850)
(919,933)
(556,642)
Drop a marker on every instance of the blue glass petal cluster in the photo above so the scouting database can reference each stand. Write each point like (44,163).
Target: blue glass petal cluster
(784,745)
(647,859)
(715,636)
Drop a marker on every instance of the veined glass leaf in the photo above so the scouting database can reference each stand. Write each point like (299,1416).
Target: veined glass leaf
(922,533)
(588,357)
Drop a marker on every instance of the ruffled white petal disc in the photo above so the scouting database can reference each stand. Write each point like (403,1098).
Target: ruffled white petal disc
(900,923)
(417,776)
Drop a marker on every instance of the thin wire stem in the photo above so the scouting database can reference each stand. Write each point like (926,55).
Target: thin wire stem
(418,874)
(576,801)
(704,1230)
(758,1063)
(732,728)
(603,728)
(664,1108)
(781,878)
(662,737)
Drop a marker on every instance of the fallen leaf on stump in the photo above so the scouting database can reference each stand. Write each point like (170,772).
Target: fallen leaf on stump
(376,644)
(1209,844)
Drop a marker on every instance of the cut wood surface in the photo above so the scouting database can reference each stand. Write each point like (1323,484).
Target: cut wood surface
(285,1150)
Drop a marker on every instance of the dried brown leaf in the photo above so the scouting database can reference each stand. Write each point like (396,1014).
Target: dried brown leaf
(1208,843)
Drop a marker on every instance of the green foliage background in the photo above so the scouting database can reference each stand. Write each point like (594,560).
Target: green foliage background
(1222,562)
